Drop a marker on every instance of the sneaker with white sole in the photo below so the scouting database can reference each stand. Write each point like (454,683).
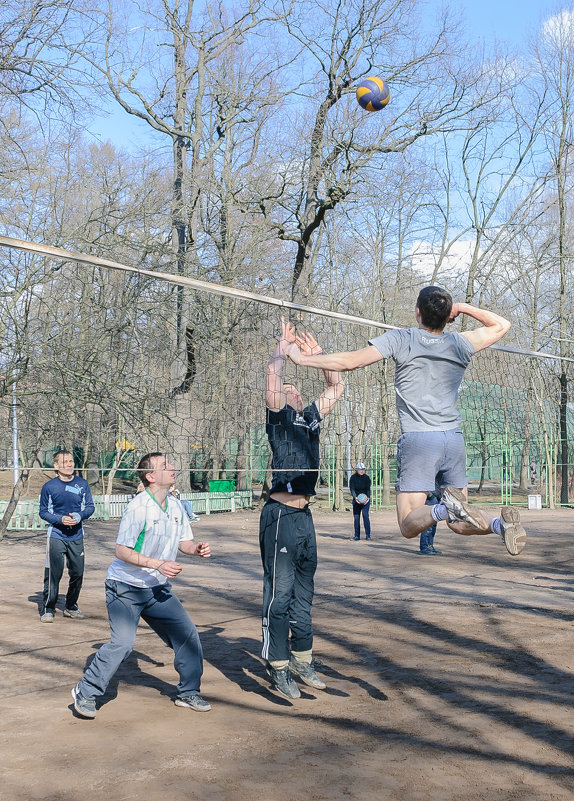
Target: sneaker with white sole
(85,707)
(459,510)
(512,533)
(282,681)
(306,672)
(76,613)
(193,702)
(47,617)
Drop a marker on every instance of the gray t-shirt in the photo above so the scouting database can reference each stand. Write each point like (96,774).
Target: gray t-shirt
(429,369)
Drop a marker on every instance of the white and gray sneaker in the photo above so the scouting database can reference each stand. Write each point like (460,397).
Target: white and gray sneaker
(459,510)
(307,674)
(85,707)
(195,702)
(282,681)
(512,533)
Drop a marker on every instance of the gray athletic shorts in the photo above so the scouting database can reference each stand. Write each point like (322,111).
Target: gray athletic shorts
(426,459)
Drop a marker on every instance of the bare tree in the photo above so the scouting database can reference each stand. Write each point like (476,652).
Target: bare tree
(555,55)
(330,145)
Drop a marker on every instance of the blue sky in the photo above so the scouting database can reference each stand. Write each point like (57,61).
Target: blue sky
(507,21)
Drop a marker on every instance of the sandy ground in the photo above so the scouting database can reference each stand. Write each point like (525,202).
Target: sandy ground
(448,677)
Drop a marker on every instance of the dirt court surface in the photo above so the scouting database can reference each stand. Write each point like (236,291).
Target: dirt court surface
(448,677)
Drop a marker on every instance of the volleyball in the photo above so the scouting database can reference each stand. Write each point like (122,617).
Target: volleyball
(362,498)
(373,94)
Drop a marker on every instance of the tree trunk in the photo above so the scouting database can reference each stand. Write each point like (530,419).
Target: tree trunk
(241,465)
(267,483)
(16,493)
(338,497)
(564,436)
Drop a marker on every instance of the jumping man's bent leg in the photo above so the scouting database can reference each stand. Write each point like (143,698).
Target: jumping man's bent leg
(412,513)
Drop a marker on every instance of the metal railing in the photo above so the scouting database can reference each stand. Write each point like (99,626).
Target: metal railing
(111,507)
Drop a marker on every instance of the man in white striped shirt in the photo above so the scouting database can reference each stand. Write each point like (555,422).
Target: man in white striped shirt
(152,530)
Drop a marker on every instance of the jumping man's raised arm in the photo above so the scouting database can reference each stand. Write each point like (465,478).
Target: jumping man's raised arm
(493,327)
(308,346)
(337,362)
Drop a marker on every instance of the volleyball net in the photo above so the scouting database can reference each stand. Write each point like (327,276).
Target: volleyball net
(110,362)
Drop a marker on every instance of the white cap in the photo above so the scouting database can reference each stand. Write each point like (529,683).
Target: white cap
(360,466)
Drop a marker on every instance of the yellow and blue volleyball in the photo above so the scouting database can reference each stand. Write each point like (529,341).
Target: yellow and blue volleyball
(373,94)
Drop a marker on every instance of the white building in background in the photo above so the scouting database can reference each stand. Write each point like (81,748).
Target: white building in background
(454,265)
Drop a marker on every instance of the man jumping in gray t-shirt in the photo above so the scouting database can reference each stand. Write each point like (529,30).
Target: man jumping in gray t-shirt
(430,365)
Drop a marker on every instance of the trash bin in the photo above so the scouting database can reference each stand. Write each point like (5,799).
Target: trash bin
(222,485)
(535,501)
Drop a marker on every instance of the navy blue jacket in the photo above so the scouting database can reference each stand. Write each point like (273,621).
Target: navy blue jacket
(60,498)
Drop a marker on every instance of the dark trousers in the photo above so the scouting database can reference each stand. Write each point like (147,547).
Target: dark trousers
(358,510)
(164,613)
(427,537)
(58,552)
(289,556)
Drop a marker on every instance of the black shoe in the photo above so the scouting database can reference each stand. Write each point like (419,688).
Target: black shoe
(354,539)
(282,681)
(367,538)
(430,550)
(306,673)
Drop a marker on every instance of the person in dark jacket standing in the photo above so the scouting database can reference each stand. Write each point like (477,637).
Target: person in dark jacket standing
(65,502)
(360,487)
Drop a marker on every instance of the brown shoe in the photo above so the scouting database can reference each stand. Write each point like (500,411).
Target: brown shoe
(513,534)
(460,511)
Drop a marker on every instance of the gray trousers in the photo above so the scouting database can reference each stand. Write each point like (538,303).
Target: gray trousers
(59,552)
(164,613)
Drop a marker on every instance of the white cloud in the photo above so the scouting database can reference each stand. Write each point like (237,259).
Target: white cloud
(425,257)
(559,29)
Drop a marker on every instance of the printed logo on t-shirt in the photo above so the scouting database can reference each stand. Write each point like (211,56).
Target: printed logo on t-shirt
(75,489)
(300,421)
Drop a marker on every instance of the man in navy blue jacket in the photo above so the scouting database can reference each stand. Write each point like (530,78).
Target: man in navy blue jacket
(65,502)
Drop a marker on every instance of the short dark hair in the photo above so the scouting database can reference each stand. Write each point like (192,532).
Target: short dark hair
(145,466)
(61,453)
(435,305)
